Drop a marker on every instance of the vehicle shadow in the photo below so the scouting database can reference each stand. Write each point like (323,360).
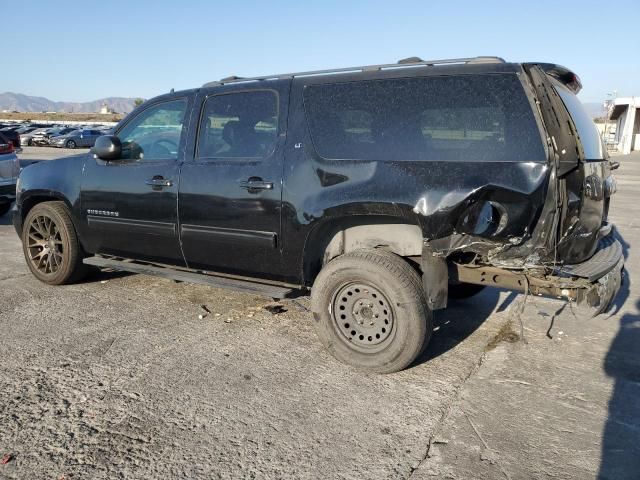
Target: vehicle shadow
(97,275)
(458,321)
(621,437)
(620,458)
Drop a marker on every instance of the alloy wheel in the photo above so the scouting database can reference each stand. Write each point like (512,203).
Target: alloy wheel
(45,245)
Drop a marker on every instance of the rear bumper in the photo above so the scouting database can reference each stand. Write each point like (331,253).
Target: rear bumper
(604,272)
(604,290)
(608,254)
(593,283)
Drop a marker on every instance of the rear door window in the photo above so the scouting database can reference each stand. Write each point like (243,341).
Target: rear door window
(452,118)
(239,125)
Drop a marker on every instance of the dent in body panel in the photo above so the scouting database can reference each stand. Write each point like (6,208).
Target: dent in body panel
(486,214)
(589,189)
(446,213)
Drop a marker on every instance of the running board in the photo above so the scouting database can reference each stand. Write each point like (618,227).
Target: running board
(239,285)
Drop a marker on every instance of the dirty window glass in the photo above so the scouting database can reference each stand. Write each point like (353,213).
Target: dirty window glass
(453,118)
(239,125)
(155,133)
(587,130)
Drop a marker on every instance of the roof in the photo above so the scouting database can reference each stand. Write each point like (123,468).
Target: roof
(411,62)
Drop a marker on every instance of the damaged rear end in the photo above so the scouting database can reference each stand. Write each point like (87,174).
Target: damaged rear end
(547,233)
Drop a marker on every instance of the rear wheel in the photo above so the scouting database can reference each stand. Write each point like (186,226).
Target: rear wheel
(371,311)
(51,246)
(71,144)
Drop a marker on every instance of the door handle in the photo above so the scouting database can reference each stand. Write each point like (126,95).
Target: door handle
(159,181)
(255,184)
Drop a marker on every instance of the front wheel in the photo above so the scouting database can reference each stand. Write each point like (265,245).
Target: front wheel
(370,311)
(51,246)
(71,144)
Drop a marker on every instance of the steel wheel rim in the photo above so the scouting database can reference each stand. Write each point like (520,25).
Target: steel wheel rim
(363,316)
(44,245)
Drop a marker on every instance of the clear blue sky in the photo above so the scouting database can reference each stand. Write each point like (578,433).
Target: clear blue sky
(85,50)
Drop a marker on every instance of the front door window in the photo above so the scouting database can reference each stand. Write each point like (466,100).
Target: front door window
(156,133)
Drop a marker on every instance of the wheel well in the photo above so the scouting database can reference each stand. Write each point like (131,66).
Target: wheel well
(346,235)
(33,200)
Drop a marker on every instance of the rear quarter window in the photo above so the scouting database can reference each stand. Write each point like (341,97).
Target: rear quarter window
(587,130)
(449,118)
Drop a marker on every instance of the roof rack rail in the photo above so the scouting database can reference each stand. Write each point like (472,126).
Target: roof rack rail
(407,62)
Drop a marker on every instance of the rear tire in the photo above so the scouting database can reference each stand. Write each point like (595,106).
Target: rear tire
(50,244)
(370,311)
(461,291)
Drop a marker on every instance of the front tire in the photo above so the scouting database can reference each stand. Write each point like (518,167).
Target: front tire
(370,311)
(71,144)
(50,244)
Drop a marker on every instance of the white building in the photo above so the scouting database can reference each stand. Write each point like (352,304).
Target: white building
(625,112)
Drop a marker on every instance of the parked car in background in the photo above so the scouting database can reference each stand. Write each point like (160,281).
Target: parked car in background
(9,171)
(26,139)
(11,128)
(45,137)
(13,136)
(29,128)
(77,138)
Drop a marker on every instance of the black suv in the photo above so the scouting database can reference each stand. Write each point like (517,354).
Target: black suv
(383,189)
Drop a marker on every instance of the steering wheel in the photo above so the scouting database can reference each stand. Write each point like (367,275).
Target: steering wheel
(163,148)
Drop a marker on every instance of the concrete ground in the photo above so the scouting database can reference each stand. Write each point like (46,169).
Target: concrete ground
(119,377)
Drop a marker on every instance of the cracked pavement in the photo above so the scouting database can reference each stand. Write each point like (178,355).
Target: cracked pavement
(119,377)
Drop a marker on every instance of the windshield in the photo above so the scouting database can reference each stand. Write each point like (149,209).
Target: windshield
(587,131)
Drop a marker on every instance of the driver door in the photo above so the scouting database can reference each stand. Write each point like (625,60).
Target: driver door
(129,205)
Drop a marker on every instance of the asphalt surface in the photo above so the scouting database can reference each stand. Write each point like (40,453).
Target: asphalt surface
(30,155)
(120,377)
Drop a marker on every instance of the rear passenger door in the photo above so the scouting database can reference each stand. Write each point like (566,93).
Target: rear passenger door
(229,201)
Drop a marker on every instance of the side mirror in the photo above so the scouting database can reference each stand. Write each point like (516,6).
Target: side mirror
(107,147)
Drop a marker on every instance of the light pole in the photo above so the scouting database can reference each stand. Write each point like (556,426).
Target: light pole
(608,104)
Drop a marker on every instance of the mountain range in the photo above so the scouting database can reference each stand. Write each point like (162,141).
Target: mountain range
(24,103)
